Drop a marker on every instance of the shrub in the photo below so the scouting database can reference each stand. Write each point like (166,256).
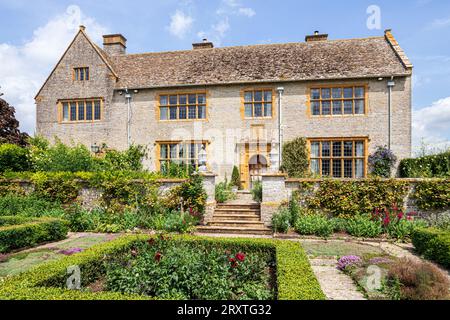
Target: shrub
(363,226)
(432,195)
(434,244)
(350,198)
(381,162)
(13,158)
(257,191)
(128,160)
(295,158)
(433,166)
(30,232)
(27,206)
(223,192)
(281,221)
(236,178)
(416,280)
(295,211)
(314,225)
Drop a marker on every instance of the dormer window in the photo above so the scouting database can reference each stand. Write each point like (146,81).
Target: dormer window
(81,74)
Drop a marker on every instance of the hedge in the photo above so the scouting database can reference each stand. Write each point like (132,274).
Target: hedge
(434,244)
(295,278)
(432,194)
(20,232)
(426,167)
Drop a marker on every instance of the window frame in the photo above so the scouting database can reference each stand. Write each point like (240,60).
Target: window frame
(342,157)
(179,106)
(76,74)
(243,103)
(186,158)
(310,99)
(60,107)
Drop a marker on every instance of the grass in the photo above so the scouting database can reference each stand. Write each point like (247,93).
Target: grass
(338,249)
(25,260)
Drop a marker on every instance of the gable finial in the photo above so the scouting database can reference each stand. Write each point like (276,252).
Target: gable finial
(82,28)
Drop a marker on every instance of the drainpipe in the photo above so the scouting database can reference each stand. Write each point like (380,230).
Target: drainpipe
(280,142)
(128,98)
(390,85)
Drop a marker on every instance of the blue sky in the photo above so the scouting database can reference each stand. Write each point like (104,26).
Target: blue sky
(35,33)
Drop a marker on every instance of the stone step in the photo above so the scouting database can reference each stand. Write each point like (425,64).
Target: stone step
(236,223)
(234,230)
(248,206)
(239,217)
(237,211)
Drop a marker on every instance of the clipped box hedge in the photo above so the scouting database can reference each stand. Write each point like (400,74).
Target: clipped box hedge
(434,244)
(19,232)
(431,166)
(295,278)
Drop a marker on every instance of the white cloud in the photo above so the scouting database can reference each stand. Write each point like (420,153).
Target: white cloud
(439,23)
(431,125)
(221,27)
(249,12)
(180,24)
(26,66)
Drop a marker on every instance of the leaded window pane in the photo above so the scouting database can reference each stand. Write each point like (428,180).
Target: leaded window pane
(248,110)
(359,168)
(88,110)
(81,111)
(267,110)
(258,96)
(182,112)
(163,151)
(202,112)
(348,106)
(173,151)
(65,111)
(348,168)
(173,113)
(348,148)
(315,147)
(315,108)
(173,100)
(359,92)
(325,149)
(337,93)
(97,110)
(315,94)
(258,110)
(359,106)
(348,93)
(337,167)
(337,107)
(359,145)
(248,96)
(163,113)
(163,100)
(201,98)
(192,112)
(182,99)
(337,148)
(326,93)
(326,107)
(315,166)
(325,167)
(73,111)
(192,99)
(268,95)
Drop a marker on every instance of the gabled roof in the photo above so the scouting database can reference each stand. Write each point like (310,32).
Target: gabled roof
(99,51)
(319,60)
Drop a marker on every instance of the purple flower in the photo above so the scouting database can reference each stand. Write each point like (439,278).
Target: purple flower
(69,252)
(348,261)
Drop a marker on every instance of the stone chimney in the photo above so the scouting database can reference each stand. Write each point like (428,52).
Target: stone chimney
(114,44)
(316,37)
(203,45)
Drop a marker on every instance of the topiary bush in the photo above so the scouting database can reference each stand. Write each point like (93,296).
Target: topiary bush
(236,178)
(295,158)
(29,232)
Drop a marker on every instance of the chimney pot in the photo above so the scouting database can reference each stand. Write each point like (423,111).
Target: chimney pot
(316,37)
(205,44)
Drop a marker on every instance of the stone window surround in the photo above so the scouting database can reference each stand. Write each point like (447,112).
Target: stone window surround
(186,158)
(310,99)
(79,72)
(60,104)
(365,140)
(253,90)
(178,94)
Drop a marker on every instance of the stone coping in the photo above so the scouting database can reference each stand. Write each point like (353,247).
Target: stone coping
(162,180)
(274,174)
(411,180)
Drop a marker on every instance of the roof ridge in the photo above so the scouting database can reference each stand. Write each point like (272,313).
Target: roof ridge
(252,45)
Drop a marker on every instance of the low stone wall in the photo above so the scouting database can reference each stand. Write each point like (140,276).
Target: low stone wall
(278,189)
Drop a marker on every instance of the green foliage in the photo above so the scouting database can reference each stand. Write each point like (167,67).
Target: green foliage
(257,191)
(13,158)
(27,206)
(236,178)
(174,221)
(176,170)
(294,210)
(381,162)
(295,158)
(434,244)
(432,194)
(314,225)
(363,226)
(30,232)
(433,166)
(128,160)
(350,198)
(223,192)
(170,268)
(295,278)
(281,220)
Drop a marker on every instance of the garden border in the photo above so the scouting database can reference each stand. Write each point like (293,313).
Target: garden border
(295,278)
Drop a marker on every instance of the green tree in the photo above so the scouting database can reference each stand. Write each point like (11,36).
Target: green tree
(9,126)
(235,178)
(295,158)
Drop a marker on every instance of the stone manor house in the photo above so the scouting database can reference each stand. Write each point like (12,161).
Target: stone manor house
(236,103)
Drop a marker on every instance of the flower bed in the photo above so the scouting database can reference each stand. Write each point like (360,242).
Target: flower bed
(20,232)
(292,277)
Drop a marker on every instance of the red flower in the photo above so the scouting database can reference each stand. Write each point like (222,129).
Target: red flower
(400,215)
(233,262)
(386,221)
(240,256)
(151,241)
(158,256)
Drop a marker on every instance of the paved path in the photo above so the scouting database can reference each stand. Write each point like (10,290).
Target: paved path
(335,284)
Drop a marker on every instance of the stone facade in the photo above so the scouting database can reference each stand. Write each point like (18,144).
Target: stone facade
(225,130)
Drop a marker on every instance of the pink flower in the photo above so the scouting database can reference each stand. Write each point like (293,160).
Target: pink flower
(240,256)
